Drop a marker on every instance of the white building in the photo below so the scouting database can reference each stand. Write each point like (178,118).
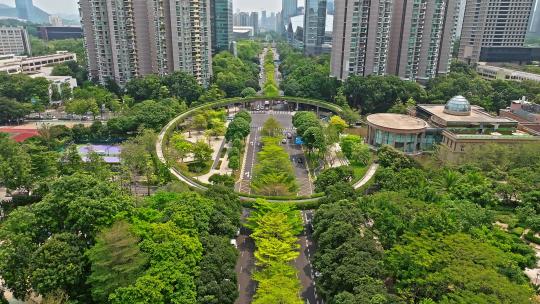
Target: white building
(14,40)
(13,64)
(490,72)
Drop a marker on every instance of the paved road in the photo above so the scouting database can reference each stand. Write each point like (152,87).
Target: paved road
(245,264)
(254,146)
(303,262)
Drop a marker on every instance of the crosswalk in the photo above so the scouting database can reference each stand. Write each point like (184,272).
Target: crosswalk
(283,130)
(272,112)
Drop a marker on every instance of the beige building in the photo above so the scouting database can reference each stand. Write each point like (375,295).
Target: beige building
(14,40)
(490,72)
(455,126)
(12,64)
(131,38)
(410,39)
(493,23)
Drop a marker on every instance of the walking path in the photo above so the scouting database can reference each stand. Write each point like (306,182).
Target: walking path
(367,177)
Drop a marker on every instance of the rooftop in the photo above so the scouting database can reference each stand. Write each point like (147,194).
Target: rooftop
(397,121)
(477,116)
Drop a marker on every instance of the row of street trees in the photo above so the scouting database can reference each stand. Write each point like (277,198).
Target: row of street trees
(270,85)
(237,132)
(274,174)
(275,227)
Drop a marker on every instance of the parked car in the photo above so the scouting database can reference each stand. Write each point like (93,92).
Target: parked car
(289,135)
(284,141)
(300,160)
(233,242)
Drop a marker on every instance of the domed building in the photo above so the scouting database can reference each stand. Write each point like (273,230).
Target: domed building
(455,125)
(458,105)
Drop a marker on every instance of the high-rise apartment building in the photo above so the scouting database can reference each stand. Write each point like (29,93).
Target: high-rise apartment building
(289,9)
(493,23)
(409,39)
(314,26)
(242,19)
(222,24)
(14,40)
(130,38)
(254,22)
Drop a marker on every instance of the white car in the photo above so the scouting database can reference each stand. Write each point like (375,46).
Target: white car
(233,242)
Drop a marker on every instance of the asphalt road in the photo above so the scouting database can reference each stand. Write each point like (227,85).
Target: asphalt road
(303,262)
(245,264)
(254,146)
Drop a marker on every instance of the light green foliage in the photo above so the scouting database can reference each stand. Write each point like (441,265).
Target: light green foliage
(274,229)
(274,174)
(271,127)
(347,144)
(360,154)
(304,120)
(82,107)
(102,96)
(350,116)
(181,147)
(202,152)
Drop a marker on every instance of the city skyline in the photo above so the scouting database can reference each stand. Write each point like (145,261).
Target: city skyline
(71,6)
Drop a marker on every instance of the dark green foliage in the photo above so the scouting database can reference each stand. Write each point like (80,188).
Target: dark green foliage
(223,180)
(392,158)
(76,206)
(217,281)
(333,176)
(375,94)
(116,260)
(306,76)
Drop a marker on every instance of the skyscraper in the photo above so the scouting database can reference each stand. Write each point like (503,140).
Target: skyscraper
(490,23)
(130,38)
(410,39)
(534,22)
(24,9)
(254,22)
(222,24)
(314,26)
(27,11)
(288,10)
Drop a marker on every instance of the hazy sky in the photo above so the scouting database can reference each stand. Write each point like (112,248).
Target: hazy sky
(70,6)
(52,6)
